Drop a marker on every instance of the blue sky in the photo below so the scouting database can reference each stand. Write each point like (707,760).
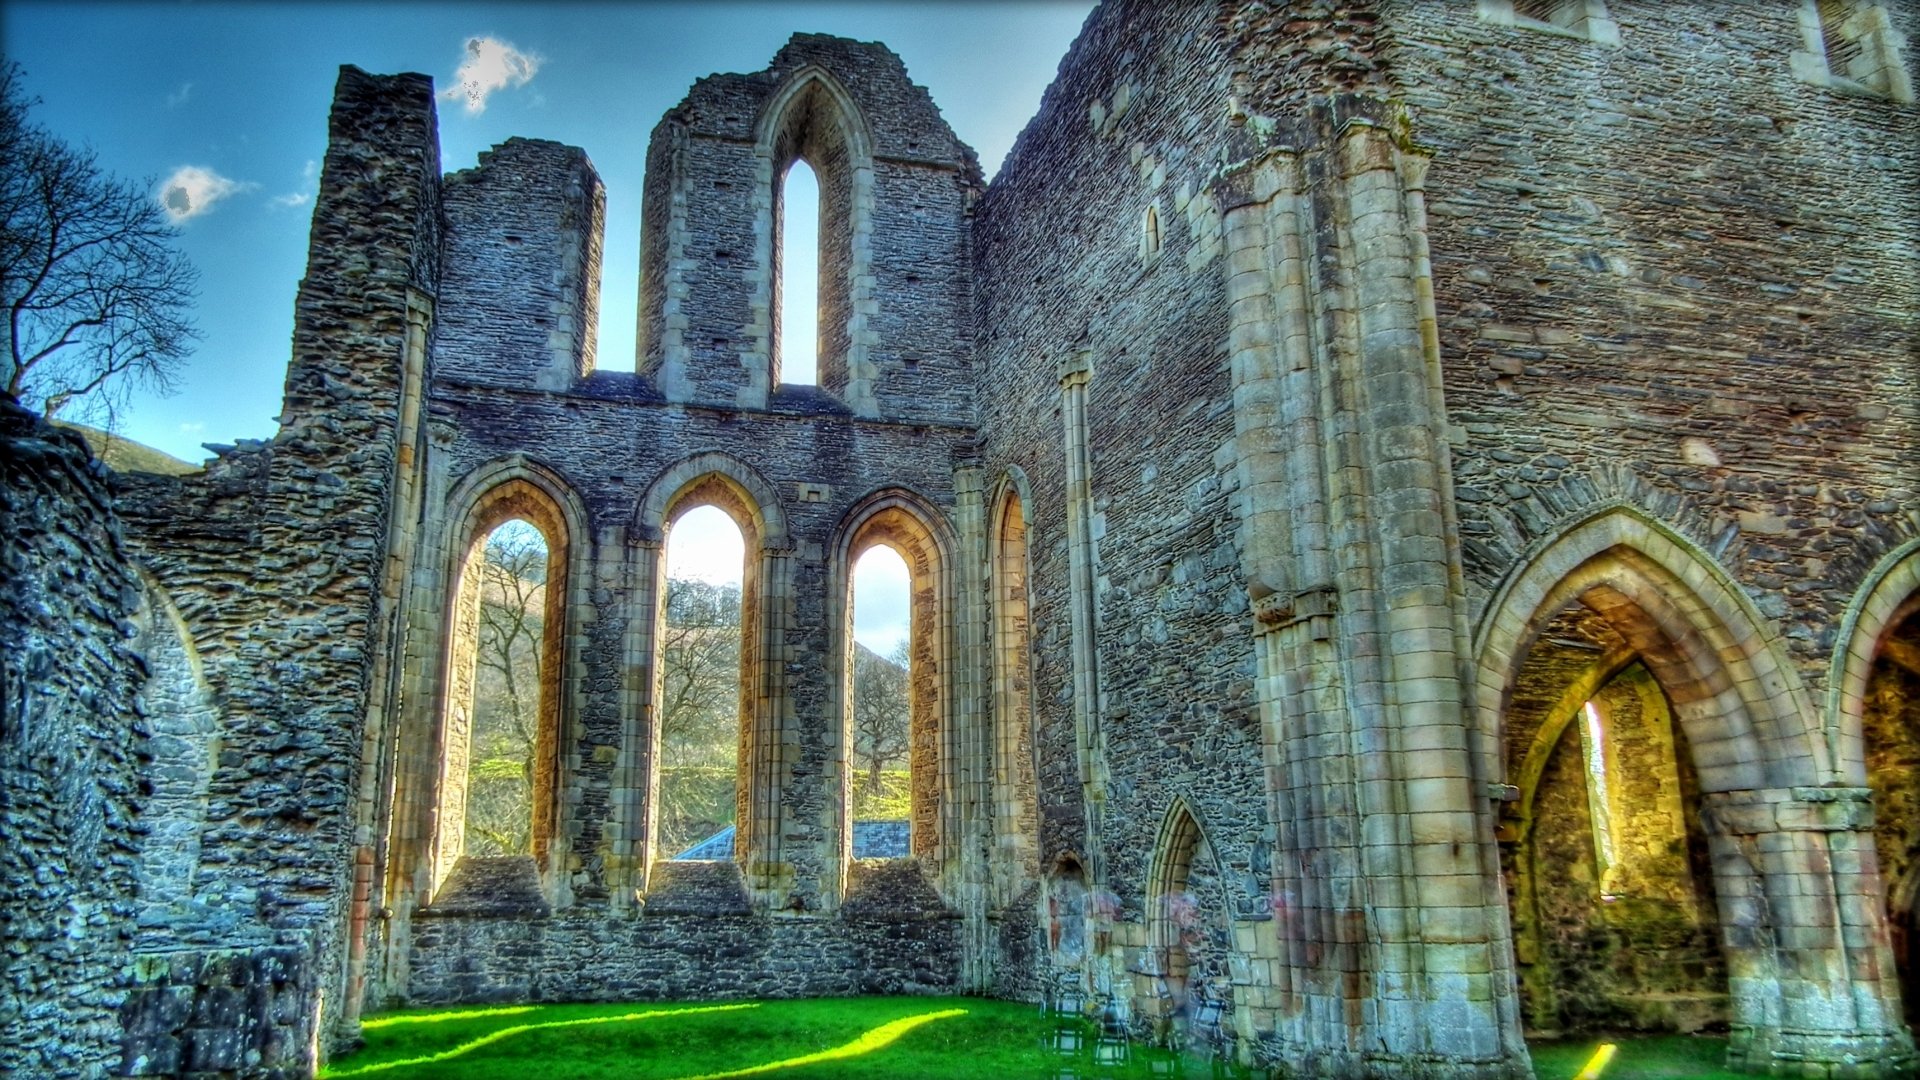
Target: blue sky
(228,102)
(238,92)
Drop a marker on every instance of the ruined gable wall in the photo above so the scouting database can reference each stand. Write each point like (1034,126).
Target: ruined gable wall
(1134,120)
(610,439)
(519,298)
(707,243)
(1669,271)
(68,755)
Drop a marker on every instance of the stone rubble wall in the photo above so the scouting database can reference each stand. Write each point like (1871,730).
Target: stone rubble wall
(1669,271)
(519,294)
(582,956)
(70,743)
(1132,123)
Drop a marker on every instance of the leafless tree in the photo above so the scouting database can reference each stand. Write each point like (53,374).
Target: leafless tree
(700,673)
(506,714)
(882,717)
(96,298)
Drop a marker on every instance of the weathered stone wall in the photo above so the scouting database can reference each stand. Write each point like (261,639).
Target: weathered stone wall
(223,1013)
(895,188)
(283,620)
(1059,255)
(70,739)
(1669,259)
(519,295)
(585,957)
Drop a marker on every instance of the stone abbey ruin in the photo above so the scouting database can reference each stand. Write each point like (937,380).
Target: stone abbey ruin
(1412,519)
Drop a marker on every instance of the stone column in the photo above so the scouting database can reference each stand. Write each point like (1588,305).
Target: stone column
(970,747)
(1076,372)
(632,562)
(1809,960)
(1389,924)
(773,742)
(392,617)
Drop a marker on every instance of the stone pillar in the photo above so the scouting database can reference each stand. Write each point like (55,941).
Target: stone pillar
(1387,919)
(1809,960)
(773,749)
(392,620)
(1076,372)
(970,746)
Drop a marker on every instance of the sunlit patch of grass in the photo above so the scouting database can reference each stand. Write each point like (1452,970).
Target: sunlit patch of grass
(495,1036)
(873,1038)
(1637,1057)
(878,1039)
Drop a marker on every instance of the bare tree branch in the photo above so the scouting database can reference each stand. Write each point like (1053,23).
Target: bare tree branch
(96,299)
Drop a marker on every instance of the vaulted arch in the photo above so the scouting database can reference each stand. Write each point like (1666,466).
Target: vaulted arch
(1187,983)
(435,797)
(722,480)
(1733,827)
(182,743)
(1744,708)
(1886,598)
(920,534)
(813,117)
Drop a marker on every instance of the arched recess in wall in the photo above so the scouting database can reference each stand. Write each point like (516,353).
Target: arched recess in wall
(182,744)
(813,118)
(515,490)
(1624,684)
(1185,985)
(1016,823)
(1874,698)
(917,532)
(728,485)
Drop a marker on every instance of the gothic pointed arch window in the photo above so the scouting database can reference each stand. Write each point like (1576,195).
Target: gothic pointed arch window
(495,818)
(813,119)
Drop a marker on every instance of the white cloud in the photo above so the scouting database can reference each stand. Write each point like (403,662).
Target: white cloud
(192,191)
(179,97)
(299,198)
(491,64)
(194,428)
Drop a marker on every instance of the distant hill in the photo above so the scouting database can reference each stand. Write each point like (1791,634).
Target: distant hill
(124,455)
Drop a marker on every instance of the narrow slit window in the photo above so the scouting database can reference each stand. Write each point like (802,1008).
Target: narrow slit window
(1593,745)
(799,269)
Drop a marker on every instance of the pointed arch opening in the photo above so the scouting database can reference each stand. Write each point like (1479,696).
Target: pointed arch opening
(1189,988)
(701,688)
(796,328)
(1877,689)
(704,734)
(888,533)
(813,120)
(1016,856)
(496,808)
(1692,712)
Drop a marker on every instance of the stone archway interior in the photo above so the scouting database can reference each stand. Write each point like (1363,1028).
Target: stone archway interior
(1614,916)
(1890,722)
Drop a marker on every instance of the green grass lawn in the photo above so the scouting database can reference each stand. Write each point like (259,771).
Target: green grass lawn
(880,1038)
(1640,1057)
